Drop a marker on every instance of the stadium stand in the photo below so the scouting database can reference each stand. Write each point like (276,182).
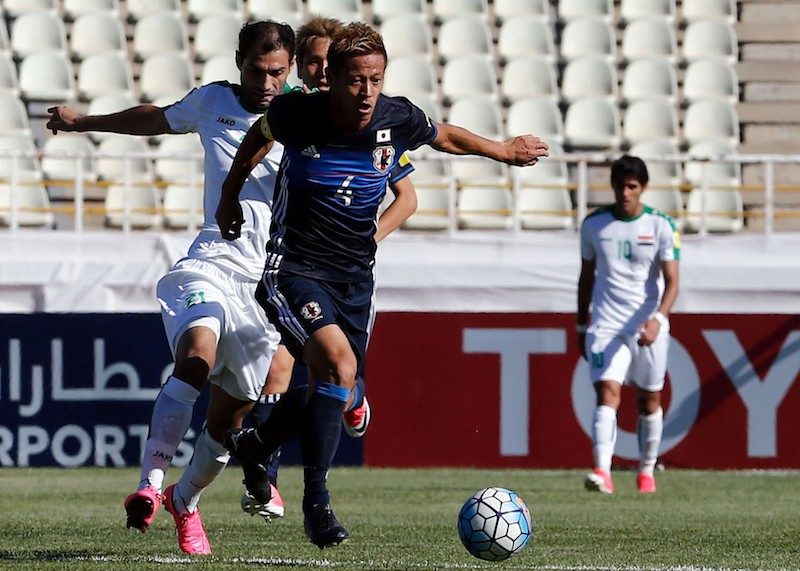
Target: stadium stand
(165,74)
(632,9)
(13,116)
(47,77)
(588,37)
(104,73)
(529,77)
(179,202)
(74,9)
(467,76)
(406,35)
(411,74)
(159,34)
(710,79)
(383,9)
(482,208)
(648,38)
(9,82)
(574,9)
(197,10)
(344,10)
(589,77)
(465,35)
(97,33)
(38,32)
(647,78)
(445,9)
(525,36)
(15,8)
(142,202)
(505,9)
(220,68)
(32,202)
(216,35)
(650,119)
(138,9)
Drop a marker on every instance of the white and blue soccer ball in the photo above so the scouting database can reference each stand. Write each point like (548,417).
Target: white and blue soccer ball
(494,524)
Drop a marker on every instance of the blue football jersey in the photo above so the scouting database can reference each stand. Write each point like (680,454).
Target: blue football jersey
(331,183)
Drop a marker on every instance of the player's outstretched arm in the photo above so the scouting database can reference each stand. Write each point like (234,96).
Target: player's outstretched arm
(140,120)
(254,147)
(521,151)
(404,205)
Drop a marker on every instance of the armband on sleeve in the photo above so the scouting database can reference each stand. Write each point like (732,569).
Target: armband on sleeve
(265,130)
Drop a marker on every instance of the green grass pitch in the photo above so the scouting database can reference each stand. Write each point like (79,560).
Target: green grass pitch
(405,519)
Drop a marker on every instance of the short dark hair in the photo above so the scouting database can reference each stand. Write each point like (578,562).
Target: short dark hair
(270,34)
(354,39)
(628,166)
(315,27)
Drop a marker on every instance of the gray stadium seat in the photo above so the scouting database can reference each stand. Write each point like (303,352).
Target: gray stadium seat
(383,9)
(446,9)
(648,38)
(344,10)
(662,173)
(588,37)
(47,77)
(74,9)
(104,73)
(405,35)
(13,116)
(178,170)
(221,68)
(429,103)
(9,82)
(529,77)
(505,9)
(138,9)
(61,167)
(711,120)
(179,200)
(163,74)
(468,76)
(433,208)
(5,42)
(479,114)
(633,9)
(646,78)
(200,9)
(279,10)
(16,8)
(27,167)
(544,208)
(702,9)
(38,32)
(112,168)
(144,205)
(479,172)
(592,123)
(216,35)
(464,35)
(33,206)
(540,117)
(724,210)
(710,79)
(484,208)
(710,39)
(158,34)
(717,173)
(410,74)
(97,33)
(650,119)
(525,36)
(574,9)
(589,77)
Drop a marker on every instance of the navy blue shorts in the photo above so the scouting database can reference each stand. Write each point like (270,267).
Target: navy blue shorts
(298,306)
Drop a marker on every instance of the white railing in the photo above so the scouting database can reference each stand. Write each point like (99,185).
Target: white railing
(16,178)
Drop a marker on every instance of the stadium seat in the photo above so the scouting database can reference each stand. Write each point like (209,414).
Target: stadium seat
(632,9)
(144,205)
(650,119)
(479,171)
(661,173)
(429,103)
(479,114)
(200,9)
(589,77)
(9,82)
(17,8)
(544,208)
(444,10)
(549,173)
(27,167)
(177,169)
(179,202)
(158,34)
(710,79)
(525,36)
(724,210)
(104,73)
(344,10)
(410,74)
(61,167)
(5,42)
(216,35)
(46,77)
(588,37)
(716,173)
(32,203)
(647,78)
(111,103)
(538,116)
(710,39)
(666,199)
(112,167)
(97,33)
(574,9)
(484,208)
(74,9)
(592,123)
(279,10)
(464,35)
(428,171)
(165,74)
(702,9)
(467,76)
(221,68)
(138,9)
(405,35)
(383,9)
(13,116)
(648,38)
(529,77)
(433,208)
(505,9)
(38,32)
(710,119)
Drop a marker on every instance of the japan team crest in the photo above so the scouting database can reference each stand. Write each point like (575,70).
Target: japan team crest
(311,311)
(382,157)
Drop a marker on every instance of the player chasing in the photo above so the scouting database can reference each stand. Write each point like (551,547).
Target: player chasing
(318,286)
(626,249)
(215,329)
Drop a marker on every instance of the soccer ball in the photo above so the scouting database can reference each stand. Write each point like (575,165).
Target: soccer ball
(494,524)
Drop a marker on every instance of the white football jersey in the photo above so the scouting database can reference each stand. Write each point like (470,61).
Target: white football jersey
(628,254)
(216,114)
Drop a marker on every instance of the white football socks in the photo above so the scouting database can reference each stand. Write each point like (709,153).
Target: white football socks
(210,458)
(604,436)
(648,429)
(172,413)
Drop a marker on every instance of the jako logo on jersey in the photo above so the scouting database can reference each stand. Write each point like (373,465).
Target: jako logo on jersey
(226,121)
(382,158)
(310,152)
(311,311)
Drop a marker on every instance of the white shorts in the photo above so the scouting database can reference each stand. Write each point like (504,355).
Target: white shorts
(619,357)
(197,293)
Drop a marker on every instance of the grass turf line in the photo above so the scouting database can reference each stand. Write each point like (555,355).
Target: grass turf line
(405,519)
